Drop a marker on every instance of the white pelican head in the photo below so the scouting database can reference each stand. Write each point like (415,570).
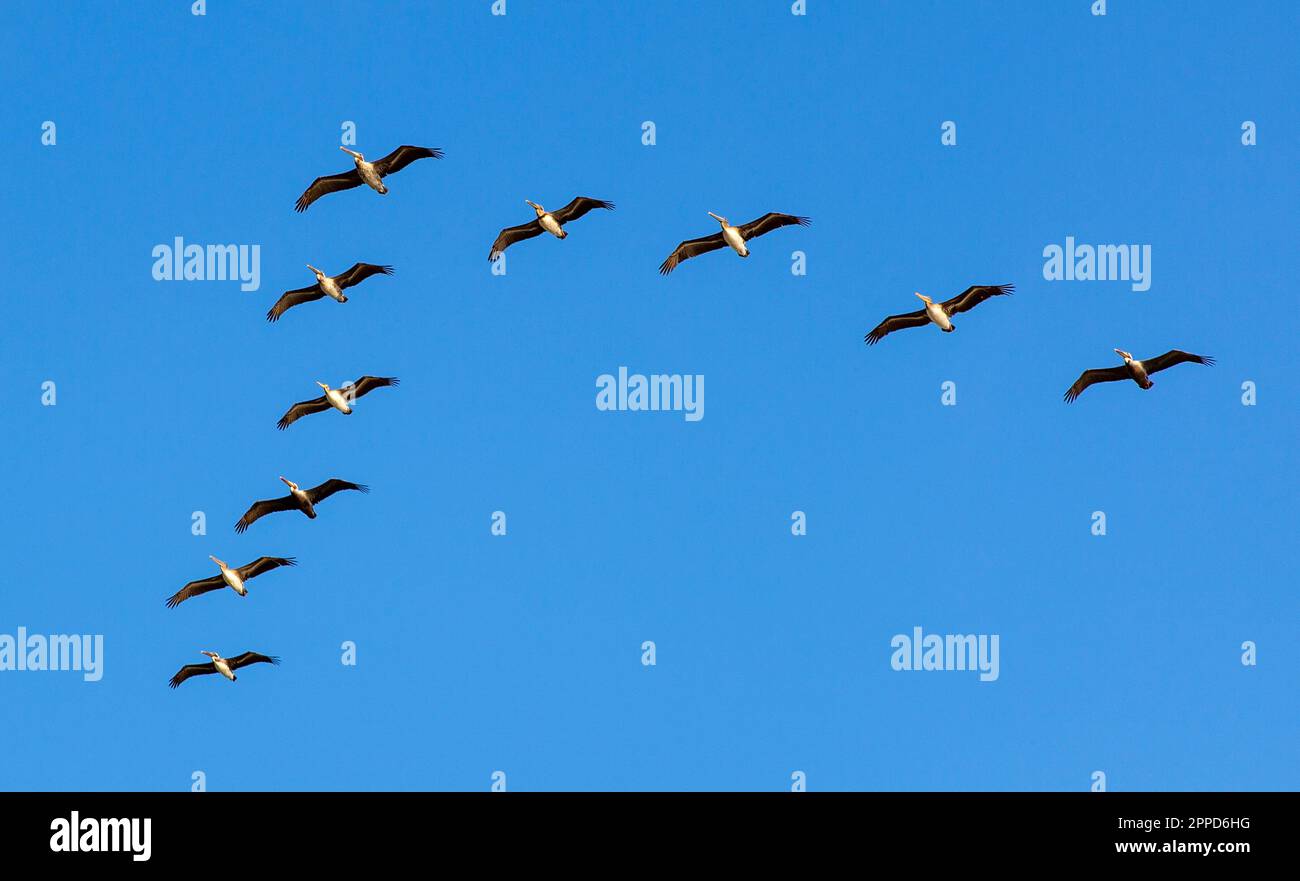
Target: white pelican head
(721,220)
(213,655)
(924,299)
(1125,355)
(289,483)
(319,274)
(538,208)
(323,386)
(354,154)
(220,563)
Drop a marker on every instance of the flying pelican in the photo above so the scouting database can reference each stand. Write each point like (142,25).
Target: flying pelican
(368,173)
(326,286)
(225,666)
(546,221)
(1138,371)
(304,500)
(229,577)
(938,313)
(735,236)
(339,398)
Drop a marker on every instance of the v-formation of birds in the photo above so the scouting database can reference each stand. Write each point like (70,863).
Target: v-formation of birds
(372,174)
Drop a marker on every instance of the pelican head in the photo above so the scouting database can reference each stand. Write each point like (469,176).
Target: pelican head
(721,220)
(324,387)
(289,483)
(354,154)
(319,274)
(924,299)
(221,563)
(212,655)
(538,208)
(1125,355)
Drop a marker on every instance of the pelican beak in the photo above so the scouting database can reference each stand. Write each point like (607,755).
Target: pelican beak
(353,153)
(322,385)
(214,559)
(286,481)
(721,220)
(534,204)
(1121,353)
(924,299)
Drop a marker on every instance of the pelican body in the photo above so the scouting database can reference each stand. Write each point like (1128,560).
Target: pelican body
(337,399)
(367,171)
(231,576)
(935,313)
(731,236)
(548,221)
(1136,369)
(329,285)
(222,665)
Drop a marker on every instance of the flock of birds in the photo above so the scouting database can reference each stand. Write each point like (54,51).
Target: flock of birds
(372,174)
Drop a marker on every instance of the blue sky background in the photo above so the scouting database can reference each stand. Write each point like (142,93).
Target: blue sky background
(522,653)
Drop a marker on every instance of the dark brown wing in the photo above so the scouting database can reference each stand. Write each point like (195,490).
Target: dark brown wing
(264,564)
(769,222)
(1101,374)
(301,409)
(194,588)
(578,207)
(404,156)
(251,658)
(328,184)
(289,299)
(264,507)
(1174,356)
(359,272)
(192,670)
(691,248)
(318,494)
(973,296)
(367,384)
(512,234)
(896,322)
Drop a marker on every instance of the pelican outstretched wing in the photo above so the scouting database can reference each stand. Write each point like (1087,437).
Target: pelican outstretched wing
(359,272)
(973,296)
(578,207)
(896,322)
(191,670)
(691,248)
(367,384)
(260,509)
(404,156)
(195,588)
(769,222)
(331,183)
(289,299)
(332,486)
(265,564)
(251,658)
(301,409)
(1174,356)
(1091,377)
(512,234)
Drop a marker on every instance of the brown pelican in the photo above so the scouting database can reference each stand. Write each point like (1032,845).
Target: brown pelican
(229,577)
(1138,371)
(326,286)
(339,398)
(369,173)
(735,236)
(546,221)
(304,500)
(225,666)
(938,313)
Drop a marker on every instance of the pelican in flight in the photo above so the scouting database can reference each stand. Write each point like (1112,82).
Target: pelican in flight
(225,666)
(304,500)
(369,173)
(546,221)
(1138,371)
(939,314)
(735,236)
(339,398)
(326,286)
(230,576)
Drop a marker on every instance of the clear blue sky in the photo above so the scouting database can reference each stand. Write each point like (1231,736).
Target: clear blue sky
(522,653)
